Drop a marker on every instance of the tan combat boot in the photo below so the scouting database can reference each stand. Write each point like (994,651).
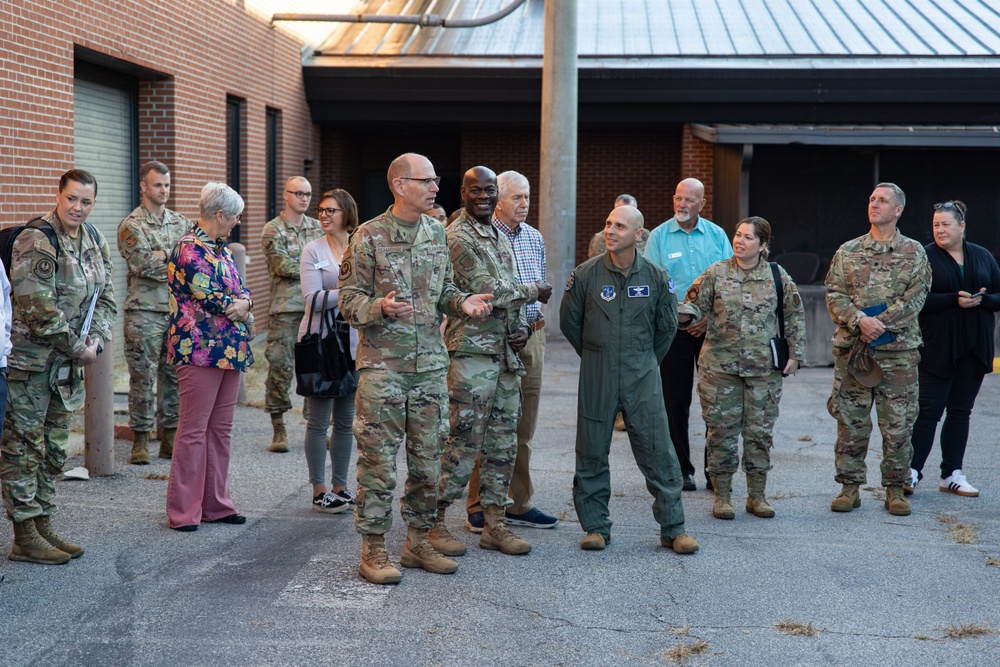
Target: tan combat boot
(279,443)
(594,542)
(682,544)
(895,501)
(140,449)
(43,524)
(848,499)
(444,541)
(167,443)
(375,565)
(722,487)
(756,502)
(418,552)
(497,536)
(31,547)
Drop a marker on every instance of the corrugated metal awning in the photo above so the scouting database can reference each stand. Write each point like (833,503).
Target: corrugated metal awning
(951,136)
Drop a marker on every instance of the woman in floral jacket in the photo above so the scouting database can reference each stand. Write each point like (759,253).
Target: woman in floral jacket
(209,341)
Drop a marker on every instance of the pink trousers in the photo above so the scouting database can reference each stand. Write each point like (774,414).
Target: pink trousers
(198,489)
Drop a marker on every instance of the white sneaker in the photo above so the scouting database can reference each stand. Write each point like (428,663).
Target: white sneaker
(956,483)
(910,485)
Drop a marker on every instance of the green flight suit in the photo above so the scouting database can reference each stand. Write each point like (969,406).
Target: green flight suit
(621,323)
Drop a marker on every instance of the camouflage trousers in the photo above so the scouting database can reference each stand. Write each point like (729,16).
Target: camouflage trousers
(484,406)
(152,381)
(896,401)
(282,332)
(34,446)
(733,406)
(392,407)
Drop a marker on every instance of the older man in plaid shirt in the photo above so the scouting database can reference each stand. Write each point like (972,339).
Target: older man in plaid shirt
(529,254)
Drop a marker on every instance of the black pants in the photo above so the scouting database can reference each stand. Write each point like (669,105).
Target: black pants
(957,394)
(677,376)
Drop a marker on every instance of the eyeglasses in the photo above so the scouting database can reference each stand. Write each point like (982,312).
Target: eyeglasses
(436,180)
(328,211)
(950,206)
(300,195)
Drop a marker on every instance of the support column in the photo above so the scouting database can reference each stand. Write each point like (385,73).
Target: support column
(99,415)
(557,186)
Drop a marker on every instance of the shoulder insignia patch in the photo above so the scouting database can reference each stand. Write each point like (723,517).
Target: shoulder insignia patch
(44,268)
(269,245)
(692,294)
(670,285)
(571,280)
(345,270)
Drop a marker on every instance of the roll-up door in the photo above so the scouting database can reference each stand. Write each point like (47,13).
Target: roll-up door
(105,144)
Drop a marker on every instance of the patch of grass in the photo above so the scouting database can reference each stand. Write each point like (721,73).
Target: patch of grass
(162,476)
(878,493)
(963,533)
(684,630)
(947,519)
(805,438)
(790,627)
(682,652)
(993,561)
(967,631)
(923,638)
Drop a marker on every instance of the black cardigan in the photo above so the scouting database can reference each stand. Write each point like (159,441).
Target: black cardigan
(949,330)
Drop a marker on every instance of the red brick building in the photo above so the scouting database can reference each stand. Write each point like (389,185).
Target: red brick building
(205,86)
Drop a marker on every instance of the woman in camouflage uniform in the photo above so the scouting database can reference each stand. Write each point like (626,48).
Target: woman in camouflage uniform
(737,382)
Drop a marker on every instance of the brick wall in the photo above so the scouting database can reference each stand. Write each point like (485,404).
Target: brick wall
(194,53)
(697,161)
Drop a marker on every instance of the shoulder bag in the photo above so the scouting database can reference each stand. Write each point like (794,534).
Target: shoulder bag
(779,344)
(323,364)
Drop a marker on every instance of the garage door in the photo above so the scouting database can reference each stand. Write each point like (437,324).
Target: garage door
(104,144)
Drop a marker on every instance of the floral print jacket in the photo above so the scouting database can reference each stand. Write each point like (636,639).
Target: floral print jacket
(204,281)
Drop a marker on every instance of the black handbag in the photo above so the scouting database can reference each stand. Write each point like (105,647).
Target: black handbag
(779,344)
(323,364)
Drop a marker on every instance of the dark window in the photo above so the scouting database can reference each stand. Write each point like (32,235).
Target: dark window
(271,138)
(234,150)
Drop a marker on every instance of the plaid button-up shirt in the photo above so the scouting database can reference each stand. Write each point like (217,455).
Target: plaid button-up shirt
(529,254)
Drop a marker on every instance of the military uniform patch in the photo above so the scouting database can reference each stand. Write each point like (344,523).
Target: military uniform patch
(670,285)
(608,293)
(570,281)
(45,268)
(345,270)
(692,294)
(268,245)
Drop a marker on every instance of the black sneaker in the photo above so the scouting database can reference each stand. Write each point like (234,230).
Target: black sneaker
(347,495)
(329,503)
(476,522)
(689,483)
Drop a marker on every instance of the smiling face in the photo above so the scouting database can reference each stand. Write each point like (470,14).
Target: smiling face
(74,204)
(480,194)
(948,231)
(746,244)
(331,215)
(621,229)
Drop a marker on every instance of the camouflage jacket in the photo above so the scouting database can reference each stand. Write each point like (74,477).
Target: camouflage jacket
(283,243)
(483,262)
(865,272)
(741,307)
(139,236)
(51,296)
(381,259)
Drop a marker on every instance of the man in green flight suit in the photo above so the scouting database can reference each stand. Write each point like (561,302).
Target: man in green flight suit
(620,315)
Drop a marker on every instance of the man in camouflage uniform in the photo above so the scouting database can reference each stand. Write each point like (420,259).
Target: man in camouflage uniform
(620,316)
(145,239)
(283,239)
(484,383)
(52,290)
(881,267)
(395,284)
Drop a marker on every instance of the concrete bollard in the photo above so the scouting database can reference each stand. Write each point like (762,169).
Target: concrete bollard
(99,414)
(240,257)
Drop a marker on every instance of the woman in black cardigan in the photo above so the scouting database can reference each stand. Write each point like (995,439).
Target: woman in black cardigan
(957,327)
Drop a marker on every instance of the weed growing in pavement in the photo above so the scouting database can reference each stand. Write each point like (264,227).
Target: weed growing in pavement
(790,627)
(158,475)
(993,561)
(805,438)
(684,630)
(963,533)
(683,652)
(966,631)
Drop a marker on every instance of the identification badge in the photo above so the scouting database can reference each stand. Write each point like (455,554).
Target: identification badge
(608,293)
(674,255)
(635,291)
(321,265)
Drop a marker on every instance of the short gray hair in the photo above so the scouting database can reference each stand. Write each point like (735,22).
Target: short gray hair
(509,179)
(896,191)
(219,197)
(626,200)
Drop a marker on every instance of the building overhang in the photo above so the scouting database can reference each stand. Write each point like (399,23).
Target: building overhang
(950,136)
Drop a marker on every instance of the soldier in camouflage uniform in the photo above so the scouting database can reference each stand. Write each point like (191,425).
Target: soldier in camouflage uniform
(145,239)
(484,378)
(395,284)
(881,267)
(737,382)
(619,314)
(283,239)
(52,290)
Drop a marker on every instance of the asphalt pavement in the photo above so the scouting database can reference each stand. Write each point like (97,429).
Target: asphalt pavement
(808,587)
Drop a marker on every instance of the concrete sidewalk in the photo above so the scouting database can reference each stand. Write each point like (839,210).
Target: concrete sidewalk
(283,589)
